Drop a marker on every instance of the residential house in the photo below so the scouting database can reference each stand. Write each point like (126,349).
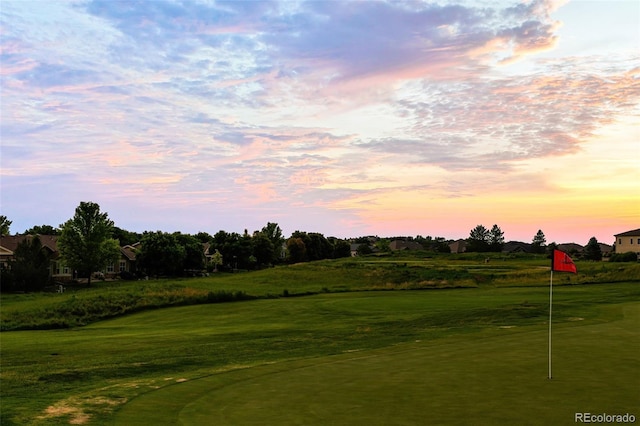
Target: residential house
(9,243)
(606,249)
(404,245)
(459,246)
(7,247)
(571,248)
(516,247)
(127,261)
(628,241)
(58,270)
(208,252)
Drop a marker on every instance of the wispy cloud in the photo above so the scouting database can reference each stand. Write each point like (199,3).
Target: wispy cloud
(318,113)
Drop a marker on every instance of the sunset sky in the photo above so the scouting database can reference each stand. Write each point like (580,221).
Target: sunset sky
(345,118)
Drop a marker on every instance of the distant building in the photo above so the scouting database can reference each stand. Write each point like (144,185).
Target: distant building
(404,245)
(516,247)
(628,241)
(606,249)
(570,248)
(127,262)
(58,270)
(459,246)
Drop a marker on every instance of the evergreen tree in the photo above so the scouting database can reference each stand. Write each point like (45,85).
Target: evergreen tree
(478,239)
(592,250)
(538,242)
(496,239)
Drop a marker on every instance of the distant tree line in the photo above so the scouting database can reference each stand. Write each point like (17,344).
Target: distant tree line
(90,241)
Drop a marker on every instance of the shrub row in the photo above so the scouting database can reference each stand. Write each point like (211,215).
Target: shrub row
(624,257)
(78,311)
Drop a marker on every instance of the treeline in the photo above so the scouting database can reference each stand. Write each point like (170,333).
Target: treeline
(89,242)
(171,254)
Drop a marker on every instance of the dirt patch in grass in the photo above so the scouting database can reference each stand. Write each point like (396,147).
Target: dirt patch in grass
(76,414)
(78,409)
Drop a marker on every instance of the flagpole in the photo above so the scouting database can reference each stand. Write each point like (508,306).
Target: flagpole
(550,309)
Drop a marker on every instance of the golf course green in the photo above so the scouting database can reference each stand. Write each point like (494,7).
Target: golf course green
(451,356)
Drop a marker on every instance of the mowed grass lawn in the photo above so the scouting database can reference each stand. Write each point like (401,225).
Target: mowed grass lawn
(490,379)
(453,356)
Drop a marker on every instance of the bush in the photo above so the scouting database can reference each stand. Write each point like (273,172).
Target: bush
(624,257)
(126,275)
(89,308)
(7,281)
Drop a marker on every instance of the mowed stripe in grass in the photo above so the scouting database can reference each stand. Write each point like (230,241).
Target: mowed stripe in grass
(492,378)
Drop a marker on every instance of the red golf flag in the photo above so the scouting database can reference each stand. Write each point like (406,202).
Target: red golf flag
(561,262)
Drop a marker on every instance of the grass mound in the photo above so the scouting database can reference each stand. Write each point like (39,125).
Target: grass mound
(404,271)
(86,308)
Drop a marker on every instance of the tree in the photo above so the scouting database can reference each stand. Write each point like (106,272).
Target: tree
(85,242)
(592,250)
(296,250)
(478,239)
(194,259)
(441,245)
(263,249)
(274,233)
(30,267)
(204,237)
(42,230)
(496,239)
(5,224)
(245,259)
(319,247)
(341,248)
(125,237)
(538,242)
(161,254)
(228,245)
(216,260)
(364,249)
(384,245)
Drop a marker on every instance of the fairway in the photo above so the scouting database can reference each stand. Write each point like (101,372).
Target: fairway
(443,357)
(495,377)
